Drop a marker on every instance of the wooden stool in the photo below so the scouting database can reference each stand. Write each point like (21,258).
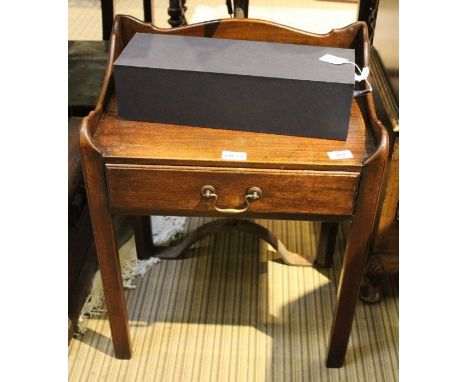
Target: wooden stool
(140,169)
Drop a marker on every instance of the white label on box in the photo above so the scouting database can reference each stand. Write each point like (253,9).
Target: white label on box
(233,155)
(343,154)
(335,60)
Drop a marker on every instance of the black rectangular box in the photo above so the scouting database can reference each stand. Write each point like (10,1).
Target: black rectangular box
(235,84)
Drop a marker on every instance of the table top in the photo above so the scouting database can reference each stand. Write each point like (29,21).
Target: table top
(125,141)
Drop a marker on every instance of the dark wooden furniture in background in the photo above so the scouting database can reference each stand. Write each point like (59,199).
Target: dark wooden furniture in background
(87,61)
(382,18)
(367,11)
(238,8)
(176,12)
(161,169)
(107,17)
(148,11)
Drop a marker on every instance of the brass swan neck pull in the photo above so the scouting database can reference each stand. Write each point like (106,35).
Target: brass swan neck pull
(252,194)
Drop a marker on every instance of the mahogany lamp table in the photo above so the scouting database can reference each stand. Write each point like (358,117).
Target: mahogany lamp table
(141,169)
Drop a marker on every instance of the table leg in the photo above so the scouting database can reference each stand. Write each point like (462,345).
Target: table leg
(348,290)
(326,244)
(106,248)
(354,260)
(109,264)
(143,237)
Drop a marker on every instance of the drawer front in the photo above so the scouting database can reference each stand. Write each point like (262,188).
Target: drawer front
(177,190)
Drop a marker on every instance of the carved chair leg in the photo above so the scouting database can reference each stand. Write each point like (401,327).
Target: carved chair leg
(326,244)
(378,267)
(176,12)
(143,236)
(241,9)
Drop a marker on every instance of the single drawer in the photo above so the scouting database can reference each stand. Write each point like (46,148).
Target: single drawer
(178,191)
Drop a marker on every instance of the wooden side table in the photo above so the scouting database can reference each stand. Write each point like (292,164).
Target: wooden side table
(139,169)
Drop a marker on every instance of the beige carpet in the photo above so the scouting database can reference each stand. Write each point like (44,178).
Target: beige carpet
(231,311)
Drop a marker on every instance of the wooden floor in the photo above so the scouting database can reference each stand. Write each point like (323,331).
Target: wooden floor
(231,311)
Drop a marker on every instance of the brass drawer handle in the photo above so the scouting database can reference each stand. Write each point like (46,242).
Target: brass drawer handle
(252,194)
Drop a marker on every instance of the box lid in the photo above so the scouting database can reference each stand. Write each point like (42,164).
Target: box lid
(237,57)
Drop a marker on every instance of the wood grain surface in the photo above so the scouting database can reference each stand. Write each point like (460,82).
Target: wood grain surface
(155,143)
(166,189)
